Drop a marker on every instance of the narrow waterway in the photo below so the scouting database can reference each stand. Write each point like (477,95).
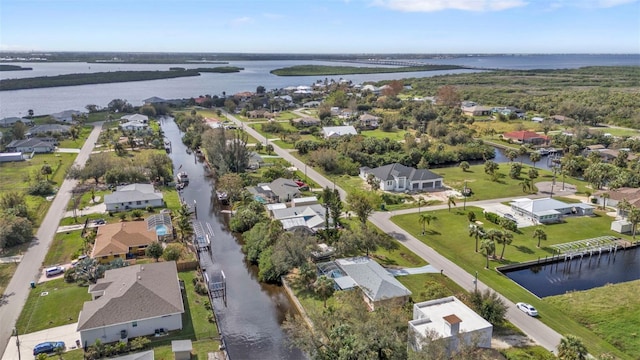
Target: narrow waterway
(250,322)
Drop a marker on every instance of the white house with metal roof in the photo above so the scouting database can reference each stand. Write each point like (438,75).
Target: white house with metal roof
(134,196)
(548,210)
(397,177)
(337,131)
(132,301)
(448,320)
(377,284)
(311,217)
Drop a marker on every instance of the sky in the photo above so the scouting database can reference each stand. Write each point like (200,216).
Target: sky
(322,26)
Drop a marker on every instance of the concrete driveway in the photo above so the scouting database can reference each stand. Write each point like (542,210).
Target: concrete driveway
(501,210)
(95,209)
(66,333)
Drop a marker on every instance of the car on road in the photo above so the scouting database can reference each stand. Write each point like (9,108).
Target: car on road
(527,309)
(510,217)
(48,347)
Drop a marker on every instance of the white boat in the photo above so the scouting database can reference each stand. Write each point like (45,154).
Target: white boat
(222,196)
(543,151)
(182,178)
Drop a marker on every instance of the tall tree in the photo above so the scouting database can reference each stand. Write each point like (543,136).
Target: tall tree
(183,222)
(451,201)
(634,219)
(477,232)
(535,157)
(539,234)
(506,238)
(324,287)
(448,96)
(362,205)
(232,184)
(154,250)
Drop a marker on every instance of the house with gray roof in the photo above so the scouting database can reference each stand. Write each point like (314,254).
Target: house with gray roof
(132,301)
(548,210)
(135,118)
(337,131)
(397,177)
(134,196)
(10,121)
(36,145)
(66,116)
(279,190)
(308,217)
(48,129)
(377,284)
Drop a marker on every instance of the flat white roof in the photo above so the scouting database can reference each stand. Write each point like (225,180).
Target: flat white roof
(432,314)
(276,206)
(305,199)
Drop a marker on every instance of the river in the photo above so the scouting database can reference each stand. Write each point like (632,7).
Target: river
(250,323)
(255,73)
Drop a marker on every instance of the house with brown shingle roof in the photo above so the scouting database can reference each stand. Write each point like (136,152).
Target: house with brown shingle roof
(615,196)
(120,240)
(526,137)
(132,301)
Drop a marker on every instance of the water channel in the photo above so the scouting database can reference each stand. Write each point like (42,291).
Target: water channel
(584,273)
(250,322)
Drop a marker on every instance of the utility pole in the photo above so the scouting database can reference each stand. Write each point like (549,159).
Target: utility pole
(15,332)
(475,282)
(464,194)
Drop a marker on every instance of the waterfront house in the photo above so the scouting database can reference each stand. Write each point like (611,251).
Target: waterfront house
(66,116)
(133,196)
(632,195)
(132,301)
(308,217)
(397,177)
(125,240)
(10,121)
(449,321)
(378,286)
(279,190)
(139,118)
(48,129)
(548,210)
(526,137)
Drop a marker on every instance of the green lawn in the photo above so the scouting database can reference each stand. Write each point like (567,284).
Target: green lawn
(617,132)
(77,143)
(425,287)
(63,247)
(6,272)
(400,257)
(611,311)
(60,307)
(456,245)
(395,135)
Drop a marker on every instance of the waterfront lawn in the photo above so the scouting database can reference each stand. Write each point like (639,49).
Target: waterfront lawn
(611,311)
(455,244)
(64,247)
(398,258)
(6,272)
(60,307)
(79,142)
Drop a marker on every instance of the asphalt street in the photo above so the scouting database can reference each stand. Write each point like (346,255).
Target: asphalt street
(28,270)
(535,329)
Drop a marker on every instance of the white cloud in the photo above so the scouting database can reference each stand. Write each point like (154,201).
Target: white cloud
(555,4)
(439,5)
(241,21)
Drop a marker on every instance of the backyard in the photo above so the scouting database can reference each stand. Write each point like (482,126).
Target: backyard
(455,244)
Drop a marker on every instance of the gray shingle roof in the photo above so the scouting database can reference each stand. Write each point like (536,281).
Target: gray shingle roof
(52,128)
(373,279)
(33,142)
(134,292)
(133,192)
(388,172)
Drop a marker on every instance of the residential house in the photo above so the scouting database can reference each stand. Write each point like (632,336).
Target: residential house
(508,111)
(255,160)
(10,121)
(133,126)
(632,195)
(311,104)
(370,88)
(279,190)
(559,119)
(154,100)
(526,137)
(145,355)
(450,321)
(537,119)
(66,116)
(337,131)
(378,286)
(132,301)
(122,240)
(369,121)
(133,196)
(476,110)
(48,129)
(260,113)
(306,121)
(307,217)
(397,177)
(31,145)
(143,119)
(548,210)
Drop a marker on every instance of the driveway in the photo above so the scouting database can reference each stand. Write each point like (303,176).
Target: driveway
(95,209)
(17,290)
(501,210)
(65,333)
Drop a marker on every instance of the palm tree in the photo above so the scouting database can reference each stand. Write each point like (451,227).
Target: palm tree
(451,200)
(539,234)
(522,151)
(535,157)
(571,348)
(634,219)
(324,288)
(506,238)
(512,155)
(421,202)
(624,206)
(488,247)
(493,235)
(526,184)
(604,197)
(183,221)
(477,232)
(426,219)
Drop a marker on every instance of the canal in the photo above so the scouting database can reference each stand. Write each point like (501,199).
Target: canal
(250,321)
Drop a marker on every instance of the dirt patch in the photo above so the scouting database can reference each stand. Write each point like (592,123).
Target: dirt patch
(507,341)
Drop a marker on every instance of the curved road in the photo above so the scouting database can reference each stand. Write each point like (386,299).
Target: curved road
(18,289)
(535,329)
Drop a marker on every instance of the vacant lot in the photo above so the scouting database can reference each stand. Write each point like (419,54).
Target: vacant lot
(63,248)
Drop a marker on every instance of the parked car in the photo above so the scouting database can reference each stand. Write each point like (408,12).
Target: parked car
(510,217)
(53,271)
(99,221)
(48,347)
(527,309)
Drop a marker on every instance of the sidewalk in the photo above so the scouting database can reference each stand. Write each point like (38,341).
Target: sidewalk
(11,259)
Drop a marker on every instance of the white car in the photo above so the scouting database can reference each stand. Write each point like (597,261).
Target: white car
(527,308)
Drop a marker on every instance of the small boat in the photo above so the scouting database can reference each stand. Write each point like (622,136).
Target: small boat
(222,196)
(182,178)
(543,151)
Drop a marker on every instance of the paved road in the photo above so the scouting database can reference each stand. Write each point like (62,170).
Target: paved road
(536,330)
(17,291)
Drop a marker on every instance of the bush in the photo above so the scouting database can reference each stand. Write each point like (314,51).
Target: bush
(201,289)
(41,188)
(70,275)
(493,217)
(139,343)
(172,252)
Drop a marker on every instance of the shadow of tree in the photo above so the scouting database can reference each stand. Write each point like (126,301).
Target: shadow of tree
(524,249)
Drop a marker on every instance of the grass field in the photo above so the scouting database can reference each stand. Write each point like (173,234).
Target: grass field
(6,272)
(395,135)
(77,143)
(63,247)
(60,307)
(455,244)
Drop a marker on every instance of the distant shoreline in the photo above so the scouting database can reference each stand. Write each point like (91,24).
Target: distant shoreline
(322,70)
(13,68)
(106,77)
